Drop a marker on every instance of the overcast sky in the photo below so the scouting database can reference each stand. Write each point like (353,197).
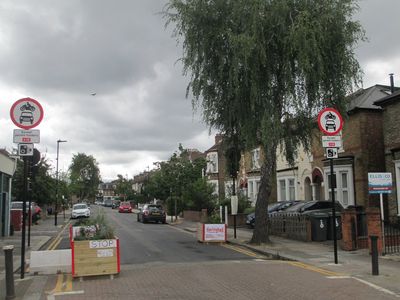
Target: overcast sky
(60,52)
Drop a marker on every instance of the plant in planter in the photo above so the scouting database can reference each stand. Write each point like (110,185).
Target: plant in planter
(95,249)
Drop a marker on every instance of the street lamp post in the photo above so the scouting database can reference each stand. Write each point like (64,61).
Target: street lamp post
(56,206)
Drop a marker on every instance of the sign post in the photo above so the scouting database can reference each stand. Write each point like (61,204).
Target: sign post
(330,122)
(26,113)
(380,183)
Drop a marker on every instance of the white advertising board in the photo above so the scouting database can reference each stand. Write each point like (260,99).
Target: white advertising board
(214,232)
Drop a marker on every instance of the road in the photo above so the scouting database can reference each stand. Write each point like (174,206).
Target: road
(164,262)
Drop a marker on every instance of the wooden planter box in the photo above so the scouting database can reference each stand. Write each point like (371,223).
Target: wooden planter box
(211,232)
(98,257)
(94,257)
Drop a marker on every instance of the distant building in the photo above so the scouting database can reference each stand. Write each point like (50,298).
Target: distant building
(7,169)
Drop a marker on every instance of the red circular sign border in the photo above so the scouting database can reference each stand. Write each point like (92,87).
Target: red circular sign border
(23,126)
(340,118)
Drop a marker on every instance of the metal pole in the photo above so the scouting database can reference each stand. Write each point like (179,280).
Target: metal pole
(56,206)
(333,213)
(29,220)
(8,255)
(25,188)
(374,255)
(382,220)
(234,216)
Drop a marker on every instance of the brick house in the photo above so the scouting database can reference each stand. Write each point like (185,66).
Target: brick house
(391,144)
(362,151)
(216,169)
(294,182)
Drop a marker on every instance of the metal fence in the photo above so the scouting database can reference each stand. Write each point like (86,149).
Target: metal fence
(392,236)
(294,226)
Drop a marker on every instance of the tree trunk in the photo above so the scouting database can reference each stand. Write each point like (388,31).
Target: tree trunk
(267,181)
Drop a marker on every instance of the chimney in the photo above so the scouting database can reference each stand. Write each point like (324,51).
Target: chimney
(391,83)
(218,138)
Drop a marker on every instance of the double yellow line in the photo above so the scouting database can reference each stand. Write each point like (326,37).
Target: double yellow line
(243,251)
(54,244)
(64,284)
(312,268)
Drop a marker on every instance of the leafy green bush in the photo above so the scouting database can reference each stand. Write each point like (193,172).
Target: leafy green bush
(214,218)
(243,203)
(96,228)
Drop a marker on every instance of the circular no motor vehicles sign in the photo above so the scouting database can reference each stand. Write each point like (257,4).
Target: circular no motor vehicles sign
(26,113)
(330,121)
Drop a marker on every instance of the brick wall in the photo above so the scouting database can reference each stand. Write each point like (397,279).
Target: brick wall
(391,128)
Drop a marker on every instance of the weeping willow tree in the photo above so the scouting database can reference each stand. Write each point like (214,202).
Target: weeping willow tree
(262,69)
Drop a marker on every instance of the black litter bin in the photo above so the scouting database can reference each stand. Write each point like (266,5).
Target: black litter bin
(338,226)
(319,226)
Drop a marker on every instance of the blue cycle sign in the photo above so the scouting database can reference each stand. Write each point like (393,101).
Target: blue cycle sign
(380,183)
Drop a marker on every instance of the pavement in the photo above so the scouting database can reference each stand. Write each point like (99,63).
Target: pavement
(356,264)
(41,236)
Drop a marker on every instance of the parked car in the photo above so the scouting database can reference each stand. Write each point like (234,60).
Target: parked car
(115,204)
(306,207)
(80,210)
(35,209)
(125,207)
(152,212)
(272,208)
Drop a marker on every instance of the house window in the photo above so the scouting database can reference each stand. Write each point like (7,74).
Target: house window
(344,188)
(286,188)
(282,188)
(253,187)
(255,159)
(215,184)
(292,189)
(212,162)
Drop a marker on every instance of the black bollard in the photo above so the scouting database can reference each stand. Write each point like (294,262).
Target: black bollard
(374,254)
(8,255)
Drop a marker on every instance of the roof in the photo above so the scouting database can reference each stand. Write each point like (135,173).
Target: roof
(366,98)
(388,99)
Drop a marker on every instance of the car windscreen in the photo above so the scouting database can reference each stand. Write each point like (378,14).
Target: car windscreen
(154,207)
(80,206)
(125,204)
(295,207)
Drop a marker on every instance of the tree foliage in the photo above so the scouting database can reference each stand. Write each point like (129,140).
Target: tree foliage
(180,179)
(124,188)
(261,69)
(41,183)
(84,176)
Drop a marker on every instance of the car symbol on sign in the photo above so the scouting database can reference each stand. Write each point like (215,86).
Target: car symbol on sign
(330,125)
(26,117)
